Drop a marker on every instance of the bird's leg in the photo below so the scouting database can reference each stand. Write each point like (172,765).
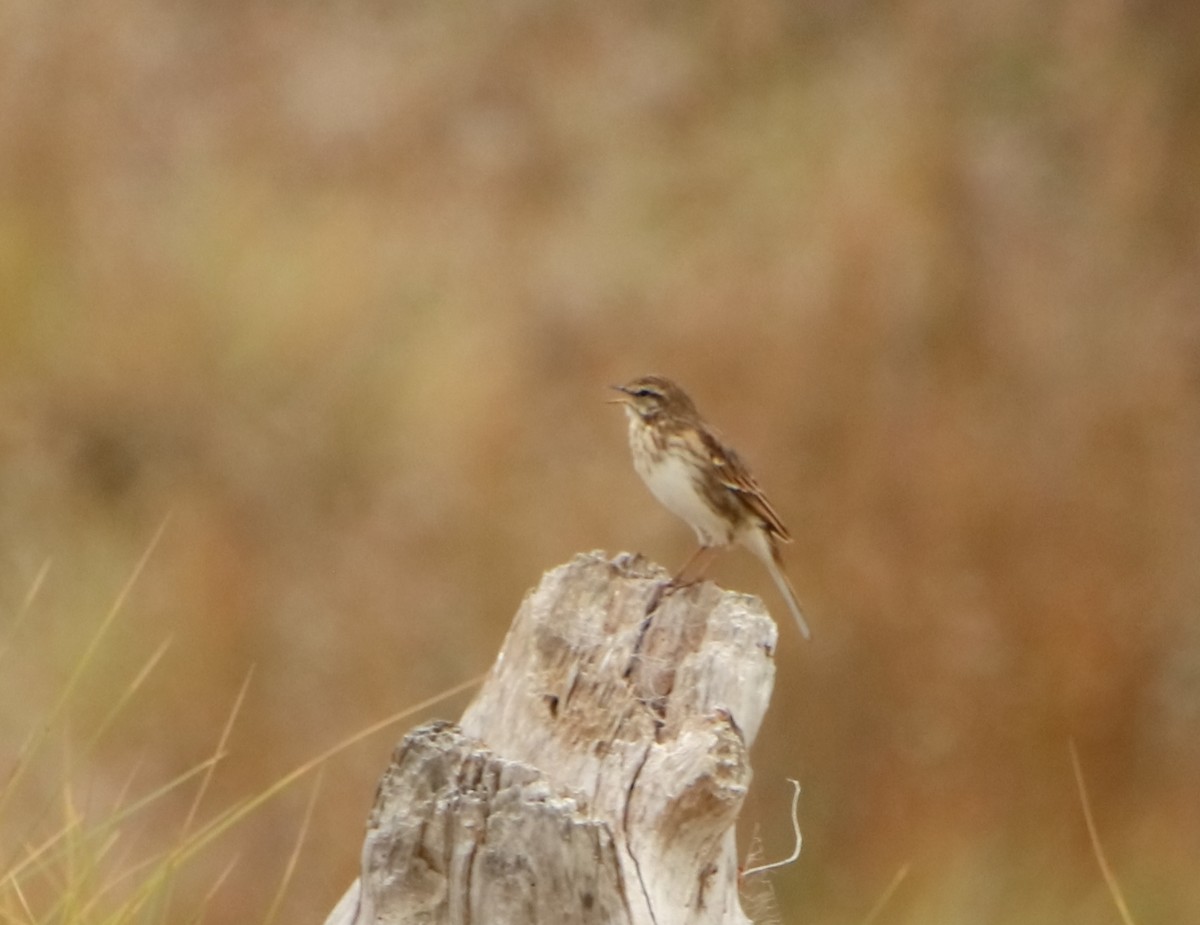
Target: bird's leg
(660,591)
(693,571)
(696,567)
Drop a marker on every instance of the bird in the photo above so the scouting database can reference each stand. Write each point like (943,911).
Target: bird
(698,477)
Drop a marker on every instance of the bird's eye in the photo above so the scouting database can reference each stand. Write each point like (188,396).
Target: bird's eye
(644,393)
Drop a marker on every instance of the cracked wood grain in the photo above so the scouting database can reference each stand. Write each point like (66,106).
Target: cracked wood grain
(596,777)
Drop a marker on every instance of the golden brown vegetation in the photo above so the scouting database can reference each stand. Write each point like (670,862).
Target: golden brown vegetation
(340,286)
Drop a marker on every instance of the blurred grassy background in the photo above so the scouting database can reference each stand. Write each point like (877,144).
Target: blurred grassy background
(341,286)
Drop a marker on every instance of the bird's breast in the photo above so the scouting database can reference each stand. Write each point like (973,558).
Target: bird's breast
(675,482)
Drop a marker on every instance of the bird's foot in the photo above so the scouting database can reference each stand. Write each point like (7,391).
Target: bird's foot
(665,588)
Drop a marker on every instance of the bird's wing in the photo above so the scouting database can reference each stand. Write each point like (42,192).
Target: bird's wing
(737,478)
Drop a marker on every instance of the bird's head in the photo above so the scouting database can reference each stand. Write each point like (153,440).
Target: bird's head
(651,396)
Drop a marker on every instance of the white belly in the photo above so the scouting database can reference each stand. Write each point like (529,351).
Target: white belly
(670,481)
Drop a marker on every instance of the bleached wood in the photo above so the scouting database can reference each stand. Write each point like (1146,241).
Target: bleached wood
(596,777)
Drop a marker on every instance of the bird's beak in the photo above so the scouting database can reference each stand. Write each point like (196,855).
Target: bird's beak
(623,399)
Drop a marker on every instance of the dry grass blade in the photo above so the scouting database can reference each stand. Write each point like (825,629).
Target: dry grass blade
(796,831)
(31,745)
(215,828)
(221,746)
(26,604)
(127,695)
(212,891)
(290,868)
(20,894)
(887,894)
(36,855)
(1110,880)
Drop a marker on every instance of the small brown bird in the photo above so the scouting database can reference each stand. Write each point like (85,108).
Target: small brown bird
(699,479)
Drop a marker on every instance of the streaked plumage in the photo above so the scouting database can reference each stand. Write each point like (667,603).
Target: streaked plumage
(698,478)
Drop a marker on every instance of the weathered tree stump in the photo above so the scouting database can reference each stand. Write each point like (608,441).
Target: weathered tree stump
(597,776)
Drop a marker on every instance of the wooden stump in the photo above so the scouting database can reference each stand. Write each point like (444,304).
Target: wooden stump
(597,776)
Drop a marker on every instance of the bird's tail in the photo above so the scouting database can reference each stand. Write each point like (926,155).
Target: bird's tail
(767,550)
